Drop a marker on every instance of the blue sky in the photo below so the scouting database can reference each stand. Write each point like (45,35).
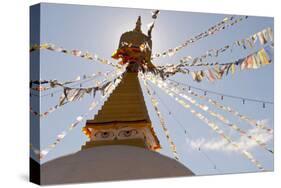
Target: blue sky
(97,29)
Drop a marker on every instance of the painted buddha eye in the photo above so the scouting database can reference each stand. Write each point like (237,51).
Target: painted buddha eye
(128,133)
(104,134)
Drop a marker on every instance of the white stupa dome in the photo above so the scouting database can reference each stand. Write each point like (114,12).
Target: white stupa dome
(108,163)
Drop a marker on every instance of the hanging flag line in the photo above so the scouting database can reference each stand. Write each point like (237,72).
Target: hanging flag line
(225,108)
(161,119)
(215,128)
(42,153)
(77,94)
(225,23)
(264,36)
(255,60)
(77,53)
(222,95)
(206,108)
(54,83)
(268,50)
(59,90)
(74,94)
(184,130)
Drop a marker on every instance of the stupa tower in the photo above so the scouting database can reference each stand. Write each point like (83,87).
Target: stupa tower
(123,119)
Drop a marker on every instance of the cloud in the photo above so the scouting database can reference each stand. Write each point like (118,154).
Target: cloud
(220,144)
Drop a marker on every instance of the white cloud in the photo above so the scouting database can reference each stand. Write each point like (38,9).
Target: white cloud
(220,144)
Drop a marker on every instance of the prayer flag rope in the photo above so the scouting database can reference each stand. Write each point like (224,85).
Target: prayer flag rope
(267,51)
(206,108)
(78,81)
(255,60)
(225,23)
(42,153)
(74,94)
(199,149)
(215,128)
(264,36)
(77,53)
(242,117)
(54,83)
(161,119)
(235,113)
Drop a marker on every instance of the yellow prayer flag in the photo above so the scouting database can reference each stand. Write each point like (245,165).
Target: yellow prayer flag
(44,46)
(233,68)
(263,57)
(255,64)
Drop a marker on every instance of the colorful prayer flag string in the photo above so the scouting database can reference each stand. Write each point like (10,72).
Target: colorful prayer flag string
(253,61)
(74,94)
(264,36)
(55,83)
(214,127)
(225,23)
(161,119)
(206,108)
(42,153)
(216,71)
(77,53)
(226,108)
(187,135)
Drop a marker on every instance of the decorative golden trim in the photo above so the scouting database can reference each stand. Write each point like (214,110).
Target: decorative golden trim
(131,142)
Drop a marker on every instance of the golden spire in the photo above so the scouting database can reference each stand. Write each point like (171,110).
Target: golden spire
(138,25)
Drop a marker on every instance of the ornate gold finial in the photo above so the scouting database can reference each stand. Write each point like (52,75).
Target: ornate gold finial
(138,25)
